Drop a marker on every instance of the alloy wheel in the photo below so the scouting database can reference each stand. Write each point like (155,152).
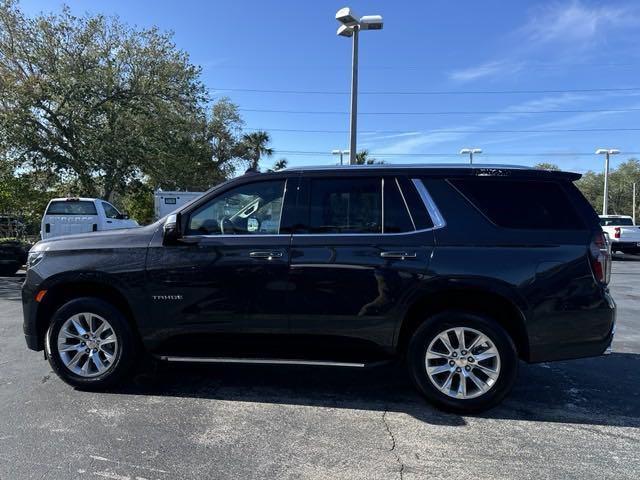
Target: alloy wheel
(462,363)
(87,344)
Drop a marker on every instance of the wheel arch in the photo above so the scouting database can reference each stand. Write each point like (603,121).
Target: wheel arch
(482,301)
(64,291)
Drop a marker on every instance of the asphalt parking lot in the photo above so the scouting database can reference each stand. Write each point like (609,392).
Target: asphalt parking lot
(578,419)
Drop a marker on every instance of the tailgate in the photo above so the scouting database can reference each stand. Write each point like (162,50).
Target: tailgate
(69,224)
(629,234)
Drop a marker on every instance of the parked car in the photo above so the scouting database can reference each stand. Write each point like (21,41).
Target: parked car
(67,216)
(623,234)
(13,255)
(458,270)
(165,202)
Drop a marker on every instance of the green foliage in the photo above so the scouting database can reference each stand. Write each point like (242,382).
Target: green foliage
(91,100)
(621,181)
(547,166)
(362,158)
(254,146)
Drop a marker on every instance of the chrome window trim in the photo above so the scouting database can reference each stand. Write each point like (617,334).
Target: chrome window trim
(432,208)
(406,205)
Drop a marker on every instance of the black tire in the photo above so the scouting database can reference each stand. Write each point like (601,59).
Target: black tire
(8,270)
(125,355)
(432,327)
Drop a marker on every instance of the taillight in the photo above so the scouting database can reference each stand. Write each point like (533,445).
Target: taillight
(616,232)
(600,257)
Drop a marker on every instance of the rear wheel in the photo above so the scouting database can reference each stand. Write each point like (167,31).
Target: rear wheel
(462,362)
(90,344)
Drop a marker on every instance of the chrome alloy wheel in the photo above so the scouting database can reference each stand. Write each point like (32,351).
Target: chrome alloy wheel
(462,363)
(87,344)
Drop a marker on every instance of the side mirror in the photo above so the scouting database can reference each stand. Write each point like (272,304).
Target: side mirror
(171,230)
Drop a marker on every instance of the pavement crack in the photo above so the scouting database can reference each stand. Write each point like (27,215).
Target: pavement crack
(393,444)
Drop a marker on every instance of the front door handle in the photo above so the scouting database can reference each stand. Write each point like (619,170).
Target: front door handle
(400,255)
(268,255)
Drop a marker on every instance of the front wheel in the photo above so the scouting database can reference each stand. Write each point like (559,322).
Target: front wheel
(462,362)
(90,344)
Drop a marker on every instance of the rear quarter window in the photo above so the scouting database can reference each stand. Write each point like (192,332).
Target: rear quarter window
(520,203)
(71,207)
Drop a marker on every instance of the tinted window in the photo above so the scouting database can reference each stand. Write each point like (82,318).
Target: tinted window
(253,208)
(521,203)
(396,216)
(607,221)
(346,205)
(71,207)
(110,211)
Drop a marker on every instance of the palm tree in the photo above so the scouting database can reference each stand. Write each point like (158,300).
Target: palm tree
(254,147)
(280,165)
(362,158)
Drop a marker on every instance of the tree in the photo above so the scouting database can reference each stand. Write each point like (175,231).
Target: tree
(94,101)
(362,158)
(280,165)
(547,166)
(254,146)
(621,181)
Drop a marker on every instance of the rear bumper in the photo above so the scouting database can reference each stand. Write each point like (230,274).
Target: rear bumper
(578,334)
(625,246)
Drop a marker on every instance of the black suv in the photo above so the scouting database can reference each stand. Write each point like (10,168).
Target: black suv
(457,270)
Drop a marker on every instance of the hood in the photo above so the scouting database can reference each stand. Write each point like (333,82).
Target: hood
(136,237)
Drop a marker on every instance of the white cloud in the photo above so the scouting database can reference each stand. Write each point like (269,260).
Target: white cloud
(424,141)
(574,22)
(568,27)
(489,69)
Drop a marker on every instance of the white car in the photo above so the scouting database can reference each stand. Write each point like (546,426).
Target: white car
(624,236)
(66,216)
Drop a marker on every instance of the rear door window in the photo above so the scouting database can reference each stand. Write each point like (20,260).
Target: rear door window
(72,207)
(520,203)
(345,205)
(396,215)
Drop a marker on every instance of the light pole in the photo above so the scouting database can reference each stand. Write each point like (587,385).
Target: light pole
(341,153)
(607,152)
(351,27)
(470,152)
(633,203)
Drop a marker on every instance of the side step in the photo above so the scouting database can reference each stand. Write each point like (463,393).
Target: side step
(265,361)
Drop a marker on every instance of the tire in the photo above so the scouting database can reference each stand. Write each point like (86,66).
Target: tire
(122,351)
(476,399)
(8,270)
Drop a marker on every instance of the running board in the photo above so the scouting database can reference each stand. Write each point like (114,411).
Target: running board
(265,361)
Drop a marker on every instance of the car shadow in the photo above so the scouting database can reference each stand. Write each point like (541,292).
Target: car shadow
(597,391)
(625,257)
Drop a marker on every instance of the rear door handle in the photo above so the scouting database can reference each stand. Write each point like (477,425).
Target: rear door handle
(268,255)
(400,255)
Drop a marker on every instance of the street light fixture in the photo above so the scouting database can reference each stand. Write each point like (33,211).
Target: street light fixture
(607,152)
(341,153)
(351,27)
(470,152)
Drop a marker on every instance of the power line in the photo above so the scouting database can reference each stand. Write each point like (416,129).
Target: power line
(431,92)
(478,112)
(559,130)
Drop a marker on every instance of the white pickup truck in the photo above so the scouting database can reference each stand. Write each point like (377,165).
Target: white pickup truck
(623,234)
(66,216)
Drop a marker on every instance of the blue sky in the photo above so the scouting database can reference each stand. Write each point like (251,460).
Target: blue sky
(546,48)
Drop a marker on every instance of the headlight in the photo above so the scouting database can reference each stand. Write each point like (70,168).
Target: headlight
(34,258)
